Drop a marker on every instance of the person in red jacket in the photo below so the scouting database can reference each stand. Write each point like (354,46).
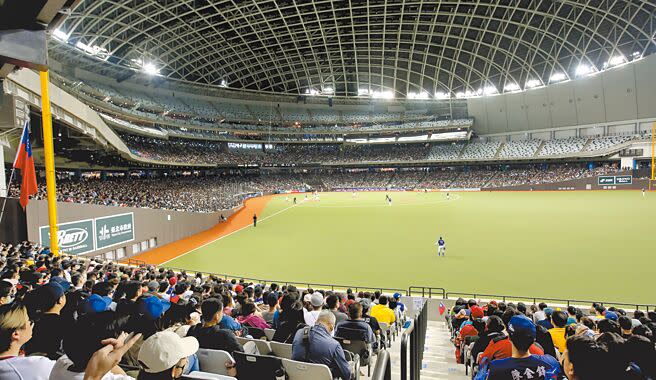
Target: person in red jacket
(469,328)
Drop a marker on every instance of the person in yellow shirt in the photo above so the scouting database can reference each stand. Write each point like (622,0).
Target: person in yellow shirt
(559,320)
(382,312)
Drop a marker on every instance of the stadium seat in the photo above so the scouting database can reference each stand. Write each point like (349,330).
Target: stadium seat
(257,367)
(263,346)
(214,361)
(281,350)
(304,371)
(269,333)
(361,348)
(207,376)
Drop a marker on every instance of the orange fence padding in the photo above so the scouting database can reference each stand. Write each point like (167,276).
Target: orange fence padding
(240,219)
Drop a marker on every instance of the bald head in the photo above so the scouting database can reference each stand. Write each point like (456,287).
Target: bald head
(327,318)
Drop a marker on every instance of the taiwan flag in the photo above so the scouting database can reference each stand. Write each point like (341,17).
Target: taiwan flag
(25,163)
(442,308)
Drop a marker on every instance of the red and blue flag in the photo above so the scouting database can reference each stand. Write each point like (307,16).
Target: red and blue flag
(441,308)
(25,163)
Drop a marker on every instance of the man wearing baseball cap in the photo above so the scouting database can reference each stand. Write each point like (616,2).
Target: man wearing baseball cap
(316,303)
(164,355)
(522,365)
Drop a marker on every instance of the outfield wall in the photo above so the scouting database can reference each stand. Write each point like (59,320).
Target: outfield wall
(151,228)
(578,184)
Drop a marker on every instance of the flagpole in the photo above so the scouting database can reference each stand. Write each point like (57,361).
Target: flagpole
(49,153)
(11,175)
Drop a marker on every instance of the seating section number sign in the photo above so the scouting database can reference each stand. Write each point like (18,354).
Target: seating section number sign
(84,236)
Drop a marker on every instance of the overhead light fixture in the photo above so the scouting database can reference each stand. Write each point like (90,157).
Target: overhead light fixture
(582,70)
(382,94)
(60,35)
(490,90)
(150,69)
(510,87)
(420,95)
(615,61)
(363,92)
(328,90)
(442,95)
(533,83)
(557,77)
(224,83)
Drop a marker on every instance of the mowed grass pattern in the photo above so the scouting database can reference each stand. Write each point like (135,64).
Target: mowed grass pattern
(574,245)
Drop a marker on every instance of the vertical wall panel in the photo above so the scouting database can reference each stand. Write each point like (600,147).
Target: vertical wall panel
(645,83)
(620,99)
(497,114)
(589,94)
(517,115)
(478,111)
(562,105)
(537,103)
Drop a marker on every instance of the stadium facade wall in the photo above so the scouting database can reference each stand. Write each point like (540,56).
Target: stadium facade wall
(622,93)
(163,225)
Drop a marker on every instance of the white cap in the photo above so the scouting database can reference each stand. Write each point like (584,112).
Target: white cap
(164,350)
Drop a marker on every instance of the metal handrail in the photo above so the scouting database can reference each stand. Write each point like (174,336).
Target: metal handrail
(383,369)
(332,287)
(430,292)
(404,349)
(424,289)
(535,300)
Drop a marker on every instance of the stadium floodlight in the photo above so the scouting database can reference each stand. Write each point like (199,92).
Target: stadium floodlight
(510,87)
(382,95)
(490,90)
(363,92)
(150,69)
(636,54)
(92,50)
(60,35)
(442,95)
(224,83)
(557,77)
(582,70)
(615,61)
(533,83)
(328,90)
(420,95)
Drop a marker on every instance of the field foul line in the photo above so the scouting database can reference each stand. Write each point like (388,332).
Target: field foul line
(233,232)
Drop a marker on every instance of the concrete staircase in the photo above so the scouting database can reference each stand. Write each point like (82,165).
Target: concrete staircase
(439,356)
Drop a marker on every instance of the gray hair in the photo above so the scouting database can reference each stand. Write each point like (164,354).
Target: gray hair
(327,317)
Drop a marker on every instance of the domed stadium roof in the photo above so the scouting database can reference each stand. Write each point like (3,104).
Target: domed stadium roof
(350,48)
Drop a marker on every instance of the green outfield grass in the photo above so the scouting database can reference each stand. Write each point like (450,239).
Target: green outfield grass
(575,245)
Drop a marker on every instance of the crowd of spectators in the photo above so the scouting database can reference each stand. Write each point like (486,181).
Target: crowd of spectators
(210,150)
(518,341)
(216,192)
(68,318)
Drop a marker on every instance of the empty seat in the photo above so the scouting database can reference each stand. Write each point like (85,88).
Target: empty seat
(258,367)
(207,376)
(214,360)
(304,371)
(263,346)
(269,333)
(281,350)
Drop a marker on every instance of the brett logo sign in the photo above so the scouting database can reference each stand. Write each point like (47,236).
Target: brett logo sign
(89,235)
(74,238)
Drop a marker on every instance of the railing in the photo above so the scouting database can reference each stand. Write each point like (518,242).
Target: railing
(301,284)
(383,369)
(560,301)
(426,290)
(416,334)
(136,262)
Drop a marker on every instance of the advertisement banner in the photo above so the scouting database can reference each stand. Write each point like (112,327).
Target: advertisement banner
(114,230)
(606,180)
(74,238)
(623,180)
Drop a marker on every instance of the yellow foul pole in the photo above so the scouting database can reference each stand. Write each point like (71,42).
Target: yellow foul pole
(49,151)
